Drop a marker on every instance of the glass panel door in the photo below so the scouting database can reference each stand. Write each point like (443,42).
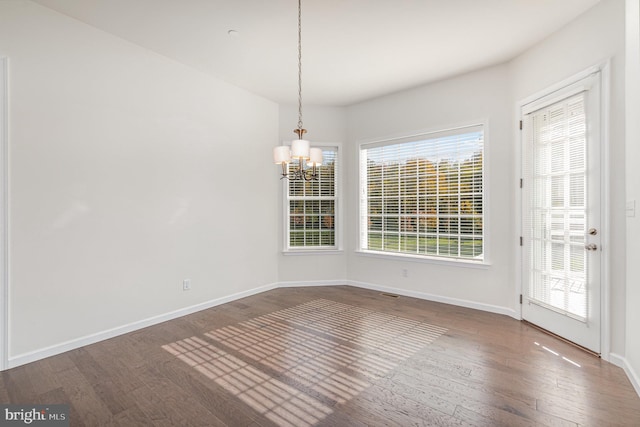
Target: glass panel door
(561,205)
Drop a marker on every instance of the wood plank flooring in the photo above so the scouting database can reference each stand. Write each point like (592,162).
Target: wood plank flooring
(330,356)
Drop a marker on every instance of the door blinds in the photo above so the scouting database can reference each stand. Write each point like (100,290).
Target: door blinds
(557,215)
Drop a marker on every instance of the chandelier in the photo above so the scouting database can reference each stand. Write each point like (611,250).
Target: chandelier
(300,150)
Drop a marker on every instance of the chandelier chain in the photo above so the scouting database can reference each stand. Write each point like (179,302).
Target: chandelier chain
(300,66)
(299,150)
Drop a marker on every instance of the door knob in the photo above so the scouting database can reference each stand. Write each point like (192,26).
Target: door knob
(591,247)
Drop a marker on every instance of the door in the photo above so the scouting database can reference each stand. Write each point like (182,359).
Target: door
(561,209)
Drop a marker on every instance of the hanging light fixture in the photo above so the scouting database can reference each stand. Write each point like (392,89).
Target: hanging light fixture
(300,150)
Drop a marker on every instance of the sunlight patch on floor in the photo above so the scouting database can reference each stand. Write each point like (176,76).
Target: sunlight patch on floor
(332,350)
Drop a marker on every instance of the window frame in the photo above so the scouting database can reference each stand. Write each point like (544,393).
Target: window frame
(287,249)
(433,133)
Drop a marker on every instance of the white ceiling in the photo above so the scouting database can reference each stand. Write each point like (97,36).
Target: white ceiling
(352,50)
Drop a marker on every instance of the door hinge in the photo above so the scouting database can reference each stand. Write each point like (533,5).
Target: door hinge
(520,298)
(521,241)
(520,124)
(520,182)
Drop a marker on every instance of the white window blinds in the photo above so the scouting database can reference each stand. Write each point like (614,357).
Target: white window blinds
(311,207)
(557,217)
(424,195)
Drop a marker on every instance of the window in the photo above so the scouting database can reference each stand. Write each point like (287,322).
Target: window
(424,196)
(312,206)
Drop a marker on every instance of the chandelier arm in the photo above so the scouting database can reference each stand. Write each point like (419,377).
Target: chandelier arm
(300,174)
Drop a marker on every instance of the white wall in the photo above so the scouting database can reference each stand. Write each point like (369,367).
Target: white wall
(125,179)
(481,95)
(633,188)
(596,36)
(324,125)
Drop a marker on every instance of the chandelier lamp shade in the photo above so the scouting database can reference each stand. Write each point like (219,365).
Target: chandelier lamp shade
(308,159)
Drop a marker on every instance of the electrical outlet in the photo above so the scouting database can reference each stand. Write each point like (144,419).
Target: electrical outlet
(631,208)
(405,272)
(186,285)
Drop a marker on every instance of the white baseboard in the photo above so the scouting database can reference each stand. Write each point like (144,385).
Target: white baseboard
(100,336)
(438,298)
(617,360)
(309,283)
(32,356)
(623,363)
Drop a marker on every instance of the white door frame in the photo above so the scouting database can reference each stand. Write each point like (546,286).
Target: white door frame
(4,211)
(605,311)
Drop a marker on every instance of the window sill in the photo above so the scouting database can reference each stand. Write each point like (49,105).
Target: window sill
(293,252)
(426,259)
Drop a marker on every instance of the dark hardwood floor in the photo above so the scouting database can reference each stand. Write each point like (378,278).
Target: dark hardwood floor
(330,356)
